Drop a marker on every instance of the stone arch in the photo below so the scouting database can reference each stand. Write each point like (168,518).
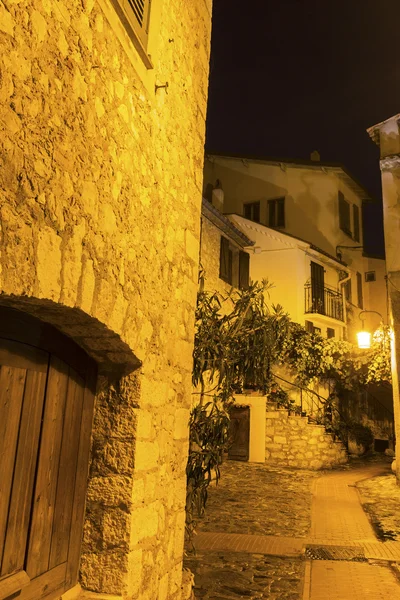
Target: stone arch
(113,356)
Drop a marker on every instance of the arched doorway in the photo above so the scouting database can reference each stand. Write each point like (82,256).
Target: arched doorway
(47,386)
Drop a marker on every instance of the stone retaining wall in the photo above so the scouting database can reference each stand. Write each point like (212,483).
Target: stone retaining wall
(291,441)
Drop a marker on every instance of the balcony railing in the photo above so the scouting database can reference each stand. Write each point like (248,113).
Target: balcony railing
(323,301)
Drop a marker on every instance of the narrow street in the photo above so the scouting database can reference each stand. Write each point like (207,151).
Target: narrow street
(291,535)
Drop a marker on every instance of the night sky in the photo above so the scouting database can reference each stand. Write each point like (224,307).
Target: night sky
(292,76)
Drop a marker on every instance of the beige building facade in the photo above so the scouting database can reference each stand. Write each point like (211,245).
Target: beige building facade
(305,208)
(102,120)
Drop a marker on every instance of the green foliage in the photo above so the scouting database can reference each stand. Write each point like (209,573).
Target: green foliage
(362,434)
(238,340)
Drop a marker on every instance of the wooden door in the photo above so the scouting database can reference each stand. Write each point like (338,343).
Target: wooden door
(239,433)
(45,424)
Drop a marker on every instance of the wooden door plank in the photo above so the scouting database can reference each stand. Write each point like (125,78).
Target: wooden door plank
(24,473)
(47,586)
(14,583)
(12,382)
(46,479)
(15,354)
(81,479)
(67,471)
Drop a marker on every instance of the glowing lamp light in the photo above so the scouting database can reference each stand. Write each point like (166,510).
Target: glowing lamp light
(364,339)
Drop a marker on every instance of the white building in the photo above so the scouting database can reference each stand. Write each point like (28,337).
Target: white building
(305,218)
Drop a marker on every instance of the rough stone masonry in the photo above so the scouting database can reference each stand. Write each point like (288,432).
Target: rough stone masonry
(100,192)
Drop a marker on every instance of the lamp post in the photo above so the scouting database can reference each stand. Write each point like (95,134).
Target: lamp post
(364,337)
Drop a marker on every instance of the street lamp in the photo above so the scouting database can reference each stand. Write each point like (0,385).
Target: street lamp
(364,337)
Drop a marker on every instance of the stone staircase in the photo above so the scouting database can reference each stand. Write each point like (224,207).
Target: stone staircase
(291,441)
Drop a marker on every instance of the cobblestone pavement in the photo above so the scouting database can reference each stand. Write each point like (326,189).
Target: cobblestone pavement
(256,499)
(238,575)
(380,497)
(252,502)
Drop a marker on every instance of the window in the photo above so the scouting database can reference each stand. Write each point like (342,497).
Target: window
(252,211)
(330,332)
(356,222)
(348,290)
(276,212)
(244,264)
(225,261)
(135,16)
(317,288)
(370,276)
(309,326)
(359,291)
(344,215)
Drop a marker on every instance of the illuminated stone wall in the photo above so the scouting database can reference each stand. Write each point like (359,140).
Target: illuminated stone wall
(291,441)
(100,186)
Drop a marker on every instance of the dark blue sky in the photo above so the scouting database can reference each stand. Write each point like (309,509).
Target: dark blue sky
(292,76)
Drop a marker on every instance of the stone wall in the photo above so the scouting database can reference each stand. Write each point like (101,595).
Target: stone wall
(100,196)
(291,441)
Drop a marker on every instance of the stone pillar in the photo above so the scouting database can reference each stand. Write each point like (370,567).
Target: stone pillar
(386,135)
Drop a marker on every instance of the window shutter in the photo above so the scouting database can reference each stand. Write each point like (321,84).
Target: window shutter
(225,261)
(348,290)
(137,14)
(244,264)
(271,213)
(359,291)
(247,211)
(280,212)
(356,220)
(344,214)
(256,212)
(330,332)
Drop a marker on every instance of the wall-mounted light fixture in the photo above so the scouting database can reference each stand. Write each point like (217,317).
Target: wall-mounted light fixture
(364,337)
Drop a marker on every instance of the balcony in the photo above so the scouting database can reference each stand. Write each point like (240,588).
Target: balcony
(322,300)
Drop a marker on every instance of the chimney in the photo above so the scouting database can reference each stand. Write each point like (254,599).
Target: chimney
(315,156)
(217,196)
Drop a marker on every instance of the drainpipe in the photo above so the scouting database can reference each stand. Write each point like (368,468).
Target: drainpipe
(341,283)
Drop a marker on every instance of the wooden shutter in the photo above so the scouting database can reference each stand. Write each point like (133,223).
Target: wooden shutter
(244,270)
(272,213)
(330,332)
(138,14)
(344,214)
(356,222)
(247,211)
(360,300)
(225,261)
(348,290)
(280,221)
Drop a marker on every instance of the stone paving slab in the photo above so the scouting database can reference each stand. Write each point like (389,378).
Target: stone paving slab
(273,545)
(333,580)
(280,546)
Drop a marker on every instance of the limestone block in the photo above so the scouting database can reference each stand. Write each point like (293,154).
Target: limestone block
(144,523)
(6,21)
(104,573)
(48,266)
(270,431)
(313,441)
(144,424)
(39,26)
(316,464)
(181,426)
(147,455)
(110,491)
(272,414)
(273,446)
(163,587)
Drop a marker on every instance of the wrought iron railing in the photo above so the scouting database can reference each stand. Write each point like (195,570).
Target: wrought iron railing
(323,301)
